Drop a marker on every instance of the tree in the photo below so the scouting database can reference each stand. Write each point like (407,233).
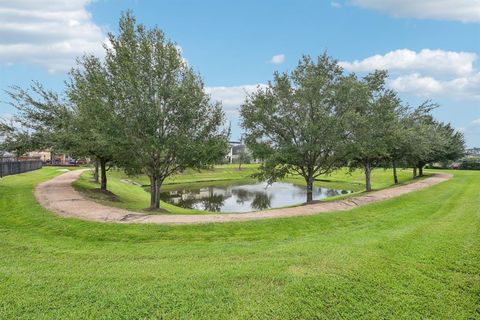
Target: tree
(43,118)
(243,157)
(5,130)
(372,112)
(293,123)
(430,140)
(80,123)
(97,131)
(168,120)
(454,146)
(444,144)
(398,144)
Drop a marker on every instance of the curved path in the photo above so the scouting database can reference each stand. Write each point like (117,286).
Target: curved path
(58,196)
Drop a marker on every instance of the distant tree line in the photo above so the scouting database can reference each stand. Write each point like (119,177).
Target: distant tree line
(143,109)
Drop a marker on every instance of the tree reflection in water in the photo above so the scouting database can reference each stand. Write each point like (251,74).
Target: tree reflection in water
(261,201)
(242,195)
(213,203)
(244,198)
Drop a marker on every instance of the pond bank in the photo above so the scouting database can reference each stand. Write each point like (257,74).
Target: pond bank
(58,196)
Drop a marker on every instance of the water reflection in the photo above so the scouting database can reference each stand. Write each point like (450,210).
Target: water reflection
(261,201)
(244,198)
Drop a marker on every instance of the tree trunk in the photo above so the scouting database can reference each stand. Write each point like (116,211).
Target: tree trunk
(240,166)
(95,172)
(155,184)
(309,181)
(103,172)
(420,170)
(395,176)
(414,172)
(368,173)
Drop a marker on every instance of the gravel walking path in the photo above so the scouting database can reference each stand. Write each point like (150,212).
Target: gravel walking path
(58,196)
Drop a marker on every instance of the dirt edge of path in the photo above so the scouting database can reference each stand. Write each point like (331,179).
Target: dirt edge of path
(58,196)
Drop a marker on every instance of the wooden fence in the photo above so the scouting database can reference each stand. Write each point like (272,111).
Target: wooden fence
(9,166)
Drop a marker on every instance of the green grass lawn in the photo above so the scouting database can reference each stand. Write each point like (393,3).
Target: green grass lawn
(135,198)
(413,257)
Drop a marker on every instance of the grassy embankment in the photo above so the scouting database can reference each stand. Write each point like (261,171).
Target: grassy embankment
(412,257)
(135,198)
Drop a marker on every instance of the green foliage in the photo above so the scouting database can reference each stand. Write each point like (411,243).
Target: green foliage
(372,112)
(168,120)
(4,128)
(430,140)
(317,119)
(293,125)
(97,133)
(42,121)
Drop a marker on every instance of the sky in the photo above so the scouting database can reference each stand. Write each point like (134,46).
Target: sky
(431,48)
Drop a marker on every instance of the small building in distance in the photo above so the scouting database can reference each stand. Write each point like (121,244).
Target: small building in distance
(45,156)
(51,158)
(235,148)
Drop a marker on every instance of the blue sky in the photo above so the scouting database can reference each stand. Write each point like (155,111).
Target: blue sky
(431,48)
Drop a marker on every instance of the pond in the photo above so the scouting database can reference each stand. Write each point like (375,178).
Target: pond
(246,197)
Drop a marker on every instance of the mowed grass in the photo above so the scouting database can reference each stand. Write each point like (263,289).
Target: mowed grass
(136,198)
(413,257)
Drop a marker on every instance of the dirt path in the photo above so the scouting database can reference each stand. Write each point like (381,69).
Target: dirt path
(58,196)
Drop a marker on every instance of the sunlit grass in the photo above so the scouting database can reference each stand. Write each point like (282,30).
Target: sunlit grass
(412,257)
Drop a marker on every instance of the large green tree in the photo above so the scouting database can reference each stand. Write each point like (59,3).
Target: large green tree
(372,112)
(97,131)
(168,120)
(293,123)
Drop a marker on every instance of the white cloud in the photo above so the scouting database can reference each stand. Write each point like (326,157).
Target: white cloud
(51,33)
(433,61)
(464,88)
(460,88)
(415,82)
(476,122)
(455,10)
(278,59)
(232,97)
(428,73)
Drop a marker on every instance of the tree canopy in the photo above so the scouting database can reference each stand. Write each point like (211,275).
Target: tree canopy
(318,118)
(168,120)
(294,123)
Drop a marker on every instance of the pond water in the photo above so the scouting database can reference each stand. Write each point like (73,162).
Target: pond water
(246,197)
